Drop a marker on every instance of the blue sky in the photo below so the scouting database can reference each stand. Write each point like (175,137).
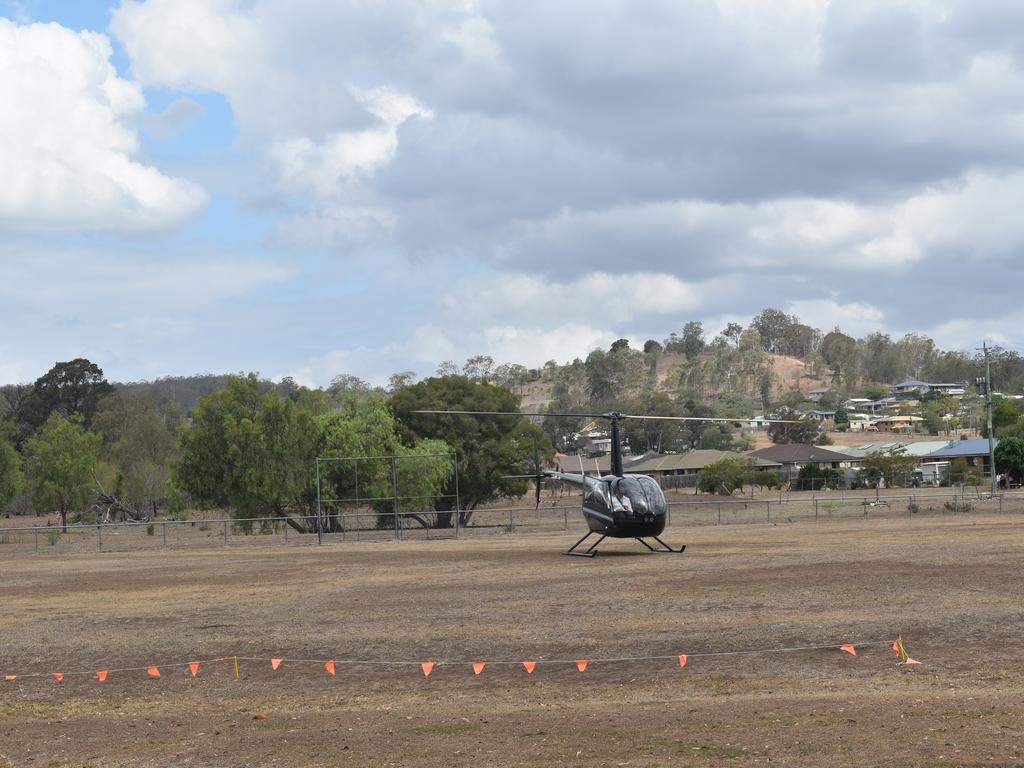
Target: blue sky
(313,187)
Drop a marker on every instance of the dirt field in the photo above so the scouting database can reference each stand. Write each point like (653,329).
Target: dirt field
(951,585)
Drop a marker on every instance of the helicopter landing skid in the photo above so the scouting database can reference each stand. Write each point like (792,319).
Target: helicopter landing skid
(591,551)
(664,549)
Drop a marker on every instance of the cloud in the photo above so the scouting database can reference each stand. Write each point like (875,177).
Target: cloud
(67,147)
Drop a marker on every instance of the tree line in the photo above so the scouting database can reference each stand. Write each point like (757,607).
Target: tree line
(76,446)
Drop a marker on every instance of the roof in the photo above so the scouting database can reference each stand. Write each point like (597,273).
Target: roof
(570,463)
(799,453)
(912,383)
(911,448)
(957,448)
(692,460)
(899,419)
(819,390)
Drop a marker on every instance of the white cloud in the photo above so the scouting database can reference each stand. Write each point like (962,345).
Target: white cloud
(327,168)
(67,147)
(853,318)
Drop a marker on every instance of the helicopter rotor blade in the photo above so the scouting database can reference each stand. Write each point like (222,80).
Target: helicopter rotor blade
(609,416)
(710,418)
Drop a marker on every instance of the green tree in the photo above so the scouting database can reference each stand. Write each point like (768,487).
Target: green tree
(11,479)
(840,353)
(1010,458)
(61,459)
(725,476)
(251,450)
(489,448)
(139,443)
(792,427)
(894,467)
(693,339)
(67,388)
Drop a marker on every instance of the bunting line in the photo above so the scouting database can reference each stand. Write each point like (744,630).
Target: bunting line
(477,666)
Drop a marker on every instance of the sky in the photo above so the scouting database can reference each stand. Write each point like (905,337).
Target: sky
(310,188)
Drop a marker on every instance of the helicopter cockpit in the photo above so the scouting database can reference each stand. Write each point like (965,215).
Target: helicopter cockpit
(636,496)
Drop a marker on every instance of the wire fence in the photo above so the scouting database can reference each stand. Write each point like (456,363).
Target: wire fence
(555,514)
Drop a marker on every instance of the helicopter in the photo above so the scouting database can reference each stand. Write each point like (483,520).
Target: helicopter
(617,505)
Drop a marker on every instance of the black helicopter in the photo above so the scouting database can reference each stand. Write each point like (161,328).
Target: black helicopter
(617,505)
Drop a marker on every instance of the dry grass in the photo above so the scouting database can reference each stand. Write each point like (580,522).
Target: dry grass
(950,585)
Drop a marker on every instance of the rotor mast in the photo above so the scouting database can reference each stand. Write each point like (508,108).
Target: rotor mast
(614,417)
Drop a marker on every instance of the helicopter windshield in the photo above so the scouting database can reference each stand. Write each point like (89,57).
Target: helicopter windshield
(644,494)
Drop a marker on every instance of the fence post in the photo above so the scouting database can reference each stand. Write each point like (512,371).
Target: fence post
(36,532)
(511,520)
(719,513)
(225,533)
(910,506)
(815,510)
(286,532)
(394,495)
(163,530)
(99,536)
(1000,502)
(770,508)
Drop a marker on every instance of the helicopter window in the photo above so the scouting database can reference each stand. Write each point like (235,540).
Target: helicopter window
(634,491)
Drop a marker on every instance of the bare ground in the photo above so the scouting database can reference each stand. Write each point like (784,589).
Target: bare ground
(950,585)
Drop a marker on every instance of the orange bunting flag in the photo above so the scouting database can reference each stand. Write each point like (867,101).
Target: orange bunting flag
(529,666)
(478,667)
(101,675)
(153,672)
(329,666)
(194,666)
(682,660)
(275,663)
(10,677)
(58,676)
(849,649)
(581,665)
(897,648)
(427,667)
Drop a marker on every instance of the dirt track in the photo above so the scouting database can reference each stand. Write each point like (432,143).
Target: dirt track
(951,586)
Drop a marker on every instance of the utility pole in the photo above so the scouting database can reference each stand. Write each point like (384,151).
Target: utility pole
(988,408)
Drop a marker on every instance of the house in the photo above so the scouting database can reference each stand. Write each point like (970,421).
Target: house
(897,423)
(917,448)
(681,469)
(825,417)
(689,463)
(975,452)
(911,385)
(924,387)
(581,465)
(793,456)
(817,393)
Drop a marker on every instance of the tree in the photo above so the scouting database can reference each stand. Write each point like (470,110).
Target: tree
(10,471)
(893,466)
(840,353)
(67,388)
(693,339)
(772,326)
(479,368)
(401,379)
(489,448)
(793,427)
(250,450)
(725,476)
(61,459)
(138,443)
(1010,458)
